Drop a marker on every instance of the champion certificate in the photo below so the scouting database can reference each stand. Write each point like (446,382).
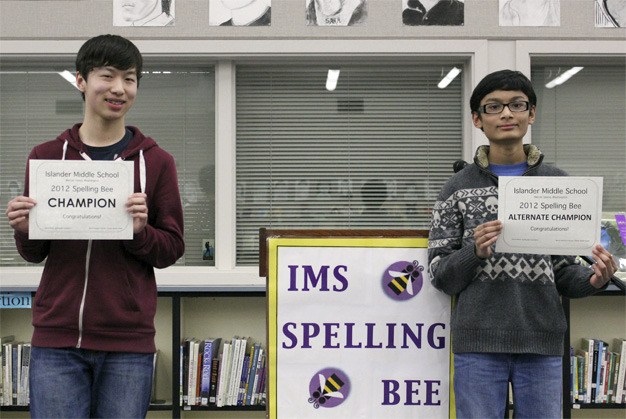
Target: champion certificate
(552,215)
(79,199)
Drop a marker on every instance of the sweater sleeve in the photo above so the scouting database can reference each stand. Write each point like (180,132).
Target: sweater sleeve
(452,261)
(161,243)
(572,278)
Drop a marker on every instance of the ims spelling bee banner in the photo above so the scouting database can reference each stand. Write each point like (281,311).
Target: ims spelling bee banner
(355,329)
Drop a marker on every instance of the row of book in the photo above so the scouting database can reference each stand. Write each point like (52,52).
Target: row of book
(221,372)
(15,366)
(598,371)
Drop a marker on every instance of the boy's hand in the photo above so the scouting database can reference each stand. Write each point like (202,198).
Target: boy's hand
(138,209)
(17,212)
(603,268)
(484,236)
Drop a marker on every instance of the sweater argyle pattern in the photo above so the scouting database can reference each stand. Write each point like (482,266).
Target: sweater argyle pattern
(454,220)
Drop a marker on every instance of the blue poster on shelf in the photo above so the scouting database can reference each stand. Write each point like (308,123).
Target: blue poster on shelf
(15,300)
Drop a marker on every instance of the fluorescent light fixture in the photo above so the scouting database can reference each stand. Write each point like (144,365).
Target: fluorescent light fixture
(331,79)
(562,78)
(449,77)
(69,77)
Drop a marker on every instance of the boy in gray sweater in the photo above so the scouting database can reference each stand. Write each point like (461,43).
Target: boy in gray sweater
(508,323)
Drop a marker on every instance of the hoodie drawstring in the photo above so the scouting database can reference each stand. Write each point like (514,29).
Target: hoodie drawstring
(64,149)
(142,172)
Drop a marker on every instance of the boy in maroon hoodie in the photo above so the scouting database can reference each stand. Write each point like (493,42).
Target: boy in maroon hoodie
(93,313)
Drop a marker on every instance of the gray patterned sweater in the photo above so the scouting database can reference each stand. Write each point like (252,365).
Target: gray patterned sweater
(510,302)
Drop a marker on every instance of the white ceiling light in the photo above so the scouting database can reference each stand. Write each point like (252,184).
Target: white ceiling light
(331,79)
(562,78)
(71,78)
(449,77)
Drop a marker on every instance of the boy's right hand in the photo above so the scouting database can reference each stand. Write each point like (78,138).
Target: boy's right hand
(17,212)
(484,236)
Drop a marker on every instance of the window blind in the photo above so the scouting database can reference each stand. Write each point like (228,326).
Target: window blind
(580,126)
(373,153)
(175,107)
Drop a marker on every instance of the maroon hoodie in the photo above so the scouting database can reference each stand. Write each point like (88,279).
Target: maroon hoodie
(101,294)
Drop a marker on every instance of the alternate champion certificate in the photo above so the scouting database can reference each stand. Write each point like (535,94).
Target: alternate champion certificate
(549,215)
(80,199)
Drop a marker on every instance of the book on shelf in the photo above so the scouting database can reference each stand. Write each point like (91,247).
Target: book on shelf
(594,369)
(602,355)
(222,382)
(573,375)
(244,378)
(192,372)
(610,372)
(211,346)
(215,366)
(604,375)
(597,377)
(15,370)
(221,372)
(262,378)
(23,395)
(587,345)
(249,373)
(257,377)
(184,389)
(14,389)
(253,369)
(614,378)
(239,371)
(619,346)
(200,374)
(235,347)
(582,373)
(198,371)
(7,357)
(181,373)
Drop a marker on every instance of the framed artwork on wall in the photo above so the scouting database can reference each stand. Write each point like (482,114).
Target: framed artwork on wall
(240,12)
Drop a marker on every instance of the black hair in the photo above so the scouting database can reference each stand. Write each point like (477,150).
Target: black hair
(502,80)
(108,50)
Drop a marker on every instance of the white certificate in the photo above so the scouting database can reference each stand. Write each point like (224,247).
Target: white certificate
(549,215)
(80,199)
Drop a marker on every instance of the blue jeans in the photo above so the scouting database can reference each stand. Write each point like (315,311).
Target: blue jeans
(481,385)
(80,383)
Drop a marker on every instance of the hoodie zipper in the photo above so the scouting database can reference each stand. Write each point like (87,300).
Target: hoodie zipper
(81,310)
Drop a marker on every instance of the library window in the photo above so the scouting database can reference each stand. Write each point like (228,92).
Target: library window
(174,106)
(370,150)
(580,124)
(580,128)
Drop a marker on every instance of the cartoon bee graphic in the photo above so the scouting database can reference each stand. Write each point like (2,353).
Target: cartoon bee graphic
(402,281)
(329,388)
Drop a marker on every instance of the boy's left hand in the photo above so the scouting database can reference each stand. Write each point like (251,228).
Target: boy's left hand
(603,268)
(137,207)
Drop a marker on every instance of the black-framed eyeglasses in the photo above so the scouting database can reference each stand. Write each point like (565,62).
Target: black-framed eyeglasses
(494,108)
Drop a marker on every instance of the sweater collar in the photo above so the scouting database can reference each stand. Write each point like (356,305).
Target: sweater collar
(533,155)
